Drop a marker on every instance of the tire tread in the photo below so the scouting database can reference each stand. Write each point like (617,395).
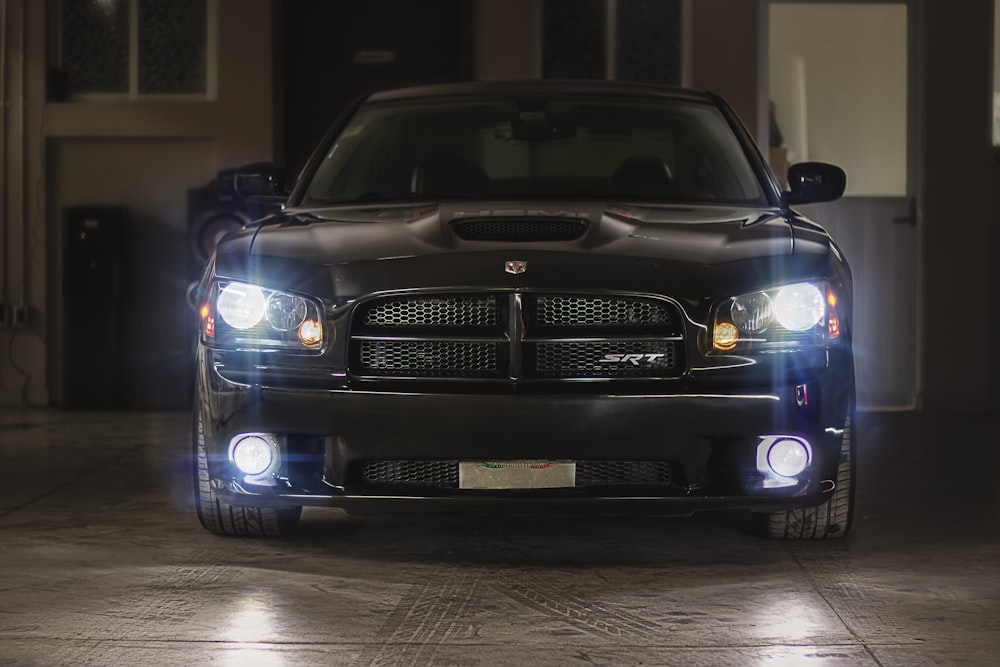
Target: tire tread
(222,518)
(831,519)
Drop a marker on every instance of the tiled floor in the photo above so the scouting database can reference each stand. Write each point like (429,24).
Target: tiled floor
(102,562)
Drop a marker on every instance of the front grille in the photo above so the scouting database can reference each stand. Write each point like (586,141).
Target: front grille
(520,229)
(516,336)
(601,311)
(590,473)
(428,358)
(604,359)
(469,312)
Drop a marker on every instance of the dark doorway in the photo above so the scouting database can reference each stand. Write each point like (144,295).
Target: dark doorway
(336,51)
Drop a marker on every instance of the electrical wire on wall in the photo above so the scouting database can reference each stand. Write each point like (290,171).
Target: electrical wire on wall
(37,239)
(22,372)
(18,322)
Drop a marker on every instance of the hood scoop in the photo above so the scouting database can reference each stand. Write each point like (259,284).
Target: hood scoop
(519,229)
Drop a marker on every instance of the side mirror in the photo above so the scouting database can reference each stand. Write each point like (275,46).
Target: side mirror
(258,206)
(815,182)
(259,178)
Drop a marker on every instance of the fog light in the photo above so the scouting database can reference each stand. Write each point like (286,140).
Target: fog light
(253,454)
(781,459)
(788,457)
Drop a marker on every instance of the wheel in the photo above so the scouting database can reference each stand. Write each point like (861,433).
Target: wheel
(222,518)
(830,519)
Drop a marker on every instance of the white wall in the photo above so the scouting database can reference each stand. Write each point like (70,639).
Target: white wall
(838,78)
(996,73)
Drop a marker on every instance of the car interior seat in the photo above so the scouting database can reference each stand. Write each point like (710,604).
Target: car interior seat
(641,176)
(447,174)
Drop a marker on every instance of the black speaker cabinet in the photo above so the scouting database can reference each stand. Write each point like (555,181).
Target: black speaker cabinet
(95,283)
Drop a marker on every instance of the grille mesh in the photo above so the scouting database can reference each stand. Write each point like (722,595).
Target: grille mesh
(623,473)
(445,311)
(520,229)
(440,474)
(428,358)
(584,359)
(599,311)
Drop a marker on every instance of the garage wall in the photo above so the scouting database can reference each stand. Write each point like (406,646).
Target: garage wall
(725,52)
(507,39)
(153,337)
(140,154)
(960,207)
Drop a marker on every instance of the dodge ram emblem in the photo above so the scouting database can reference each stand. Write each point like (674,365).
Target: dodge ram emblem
(515,266)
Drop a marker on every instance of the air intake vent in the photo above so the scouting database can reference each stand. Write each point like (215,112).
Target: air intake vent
(444,474)
(520,229)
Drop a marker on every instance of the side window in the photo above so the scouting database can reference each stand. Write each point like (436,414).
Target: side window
(133,48)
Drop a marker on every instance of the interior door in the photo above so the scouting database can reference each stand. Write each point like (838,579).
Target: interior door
(334,51)
(839,80)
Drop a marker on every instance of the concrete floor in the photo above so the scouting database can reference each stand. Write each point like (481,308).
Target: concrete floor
(102,562)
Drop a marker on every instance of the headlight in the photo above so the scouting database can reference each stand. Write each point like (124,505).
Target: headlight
(799,307)
(781,318)
(241,306)
(254,318)
(752,313)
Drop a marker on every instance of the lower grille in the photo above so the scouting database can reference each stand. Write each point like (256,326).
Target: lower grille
(438,474)
(623,473)
(444,474)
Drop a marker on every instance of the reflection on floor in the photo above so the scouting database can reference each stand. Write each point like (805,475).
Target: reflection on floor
(102,562)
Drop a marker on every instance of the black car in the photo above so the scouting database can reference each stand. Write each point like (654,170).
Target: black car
(531,296)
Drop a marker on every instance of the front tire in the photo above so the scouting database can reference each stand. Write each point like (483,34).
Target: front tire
(832,518)
(222,518)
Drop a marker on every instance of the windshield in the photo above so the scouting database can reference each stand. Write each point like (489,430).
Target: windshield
(635,150)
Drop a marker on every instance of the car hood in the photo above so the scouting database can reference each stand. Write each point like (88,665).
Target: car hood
(697,234)
(690,252)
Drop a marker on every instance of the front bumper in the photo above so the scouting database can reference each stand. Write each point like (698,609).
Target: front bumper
(709,439)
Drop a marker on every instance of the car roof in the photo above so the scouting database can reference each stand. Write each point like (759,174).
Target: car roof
(542,86)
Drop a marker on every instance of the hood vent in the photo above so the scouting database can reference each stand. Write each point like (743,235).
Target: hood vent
(520,229)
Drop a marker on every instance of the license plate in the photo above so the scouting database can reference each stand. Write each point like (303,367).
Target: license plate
(516,474)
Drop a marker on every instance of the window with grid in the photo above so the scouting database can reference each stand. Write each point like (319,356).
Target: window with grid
(134,48)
